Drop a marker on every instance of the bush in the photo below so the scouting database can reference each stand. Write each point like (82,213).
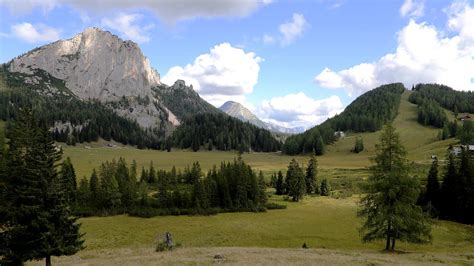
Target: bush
(275,206)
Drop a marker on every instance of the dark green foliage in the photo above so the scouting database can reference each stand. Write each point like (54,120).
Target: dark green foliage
(430,113)
(466,134)
(324,190)
(36,221)
(455,201)
(232,187)
(430,199)
(389,204)
(183,101)
(311,174)
(368,113)
(456,101)
(224,133)
(295,181)
(359,145)
(67,176)
(280,184)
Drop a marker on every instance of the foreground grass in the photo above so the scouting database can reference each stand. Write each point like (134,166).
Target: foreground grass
(259,256)
(320,222)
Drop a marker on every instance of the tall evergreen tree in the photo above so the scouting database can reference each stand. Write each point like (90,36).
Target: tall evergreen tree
(68,178)
(311,173)
(431,197)
(389,205)
(449,206)
(38,221)
(295,181)
(280,184)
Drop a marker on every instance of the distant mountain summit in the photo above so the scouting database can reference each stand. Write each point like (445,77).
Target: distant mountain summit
(237,110)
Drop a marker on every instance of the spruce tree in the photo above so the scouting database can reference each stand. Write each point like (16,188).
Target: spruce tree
(262,195)
(319,145)
(389,204)
(432,194)
(324,190)
(295,181)
(38,222)
(68,178)
(280,184)
(449,205)
(311,173)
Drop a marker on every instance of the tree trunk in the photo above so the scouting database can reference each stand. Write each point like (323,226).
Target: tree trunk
(393,243)
(48,260)
(387,244)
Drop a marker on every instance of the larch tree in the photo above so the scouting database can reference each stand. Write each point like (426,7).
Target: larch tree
(389,205)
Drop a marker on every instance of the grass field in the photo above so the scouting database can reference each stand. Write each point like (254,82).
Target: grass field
(328,226)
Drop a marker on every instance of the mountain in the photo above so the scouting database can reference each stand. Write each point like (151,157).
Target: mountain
(98,85)
(368,113)
(237,110)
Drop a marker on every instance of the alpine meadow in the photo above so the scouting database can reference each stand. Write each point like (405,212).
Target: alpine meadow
(252,132)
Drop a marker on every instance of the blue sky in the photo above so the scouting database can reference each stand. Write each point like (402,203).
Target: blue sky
(293,63)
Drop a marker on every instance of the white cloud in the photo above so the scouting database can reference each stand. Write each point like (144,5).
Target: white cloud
(412,8)
(288,31)
(294,29)
(461,19)
(126,25)
(423,55)
(168,10)
(35,33)
(268,39)
(299,110)
(19,7)
(222,74)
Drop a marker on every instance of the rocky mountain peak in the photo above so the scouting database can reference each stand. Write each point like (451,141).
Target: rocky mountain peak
(94,64)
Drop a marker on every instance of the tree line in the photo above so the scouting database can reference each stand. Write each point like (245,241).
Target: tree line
(455,101)
(115,188)
(222,132)
(452,197)
(368,113)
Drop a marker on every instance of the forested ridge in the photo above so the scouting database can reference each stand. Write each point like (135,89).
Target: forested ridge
(455,101)
(222,132)
(368,113)
(183,101)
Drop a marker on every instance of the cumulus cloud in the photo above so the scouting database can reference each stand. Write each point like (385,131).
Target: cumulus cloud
(412,8)
(35,33)
(461,19)
(293,29)
(423,55)
(222,74)
(127,25)
(299,110)
(169,11)
(288,31)
(25,6)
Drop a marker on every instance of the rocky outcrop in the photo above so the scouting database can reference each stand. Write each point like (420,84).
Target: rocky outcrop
(96,64)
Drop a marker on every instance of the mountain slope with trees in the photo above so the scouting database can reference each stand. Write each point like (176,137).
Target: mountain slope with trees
(368,113)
